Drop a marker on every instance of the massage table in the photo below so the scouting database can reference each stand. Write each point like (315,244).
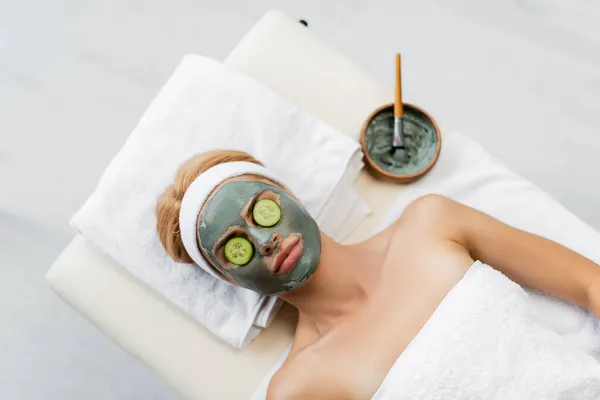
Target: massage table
(285,56)
(289,58)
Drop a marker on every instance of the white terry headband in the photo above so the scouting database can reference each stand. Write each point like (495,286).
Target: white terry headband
(196,195)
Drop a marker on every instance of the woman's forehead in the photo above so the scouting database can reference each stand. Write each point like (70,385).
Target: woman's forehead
(244,178)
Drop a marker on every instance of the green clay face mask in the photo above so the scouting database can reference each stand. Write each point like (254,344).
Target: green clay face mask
(277,258)
(420,140)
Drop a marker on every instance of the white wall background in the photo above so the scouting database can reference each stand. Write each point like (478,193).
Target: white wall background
(522,77)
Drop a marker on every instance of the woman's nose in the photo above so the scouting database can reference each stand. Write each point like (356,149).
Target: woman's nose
(269,248)
(266,240)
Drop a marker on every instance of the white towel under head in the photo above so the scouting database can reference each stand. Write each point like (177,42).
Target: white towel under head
(206,106)
(196,195)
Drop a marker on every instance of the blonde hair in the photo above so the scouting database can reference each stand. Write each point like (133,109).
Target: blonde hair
(169,202)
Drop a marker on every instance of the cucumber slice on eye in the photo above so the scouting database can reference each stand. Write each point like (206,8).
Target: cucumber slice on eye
(238,250)
(266,212)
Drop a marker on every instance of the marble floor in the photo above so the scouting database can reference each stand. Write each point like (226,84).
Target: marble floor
(522,77)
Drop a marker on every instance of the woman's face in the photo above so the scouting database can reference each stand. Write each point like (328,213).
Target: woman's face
(276,248)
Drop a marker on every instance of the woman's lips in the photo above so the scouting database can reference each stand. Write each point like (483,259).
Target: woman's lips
(288,255)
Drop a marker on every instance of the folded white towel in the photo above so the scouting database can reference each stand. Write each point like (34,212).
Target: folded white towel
(483,343)
(204,106)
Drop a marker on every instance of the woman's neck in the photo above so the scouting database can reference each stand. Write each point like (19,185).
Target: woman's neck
(341,284)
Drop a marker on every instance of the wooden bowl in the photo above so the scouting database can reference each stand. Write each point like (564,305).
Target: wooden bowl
(376,169)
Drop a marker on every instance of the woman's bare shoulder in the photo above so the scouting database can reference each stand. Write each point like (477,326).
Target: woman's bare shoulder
(427,234)
(434,216)
(426,212)
(289,382)
(307,377)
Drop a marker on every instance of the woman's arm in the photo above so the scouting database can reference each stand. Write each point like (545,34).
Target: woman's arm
(525,258)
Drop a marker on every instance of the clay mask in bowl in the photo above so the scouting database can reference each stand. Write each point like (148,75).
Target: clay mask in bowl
(421,138)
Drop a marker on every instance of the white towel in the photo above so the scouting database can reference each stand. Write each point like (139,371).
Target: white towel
(483,343)
(204,106)
(467,173)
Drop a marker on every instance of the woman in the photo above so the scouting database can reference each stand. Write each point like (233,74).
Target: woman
(251,231)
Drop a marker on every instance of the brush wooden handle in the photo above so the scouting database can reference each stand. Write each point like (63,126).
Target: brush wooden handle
(398,107)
